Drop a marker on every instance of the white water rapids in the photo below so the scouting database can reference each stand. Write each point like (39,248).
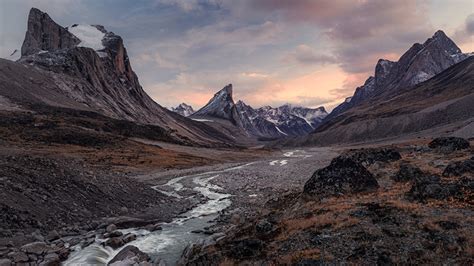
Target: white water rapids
(169,243)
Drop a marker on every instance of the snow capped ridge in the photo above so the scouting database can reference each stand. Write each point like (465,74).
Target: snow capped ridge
(266,121)
(183,109)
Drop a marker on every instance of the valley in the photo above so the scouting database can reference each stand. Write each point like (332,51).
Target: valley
(94,170)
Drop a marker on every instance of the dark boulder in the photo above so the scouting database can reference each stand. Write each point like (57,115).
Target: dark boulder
(129,254)
(427,187)
(265,229)
(407,173)
(246,248)
(372,155)
(114,242)
(459,168)
(342,176)
(449,144)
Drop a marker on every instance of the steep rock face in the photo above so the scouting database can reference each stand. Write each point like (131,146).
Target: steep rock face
(420,63)
(91,66)
(183,109)
(220,106)
(44,34)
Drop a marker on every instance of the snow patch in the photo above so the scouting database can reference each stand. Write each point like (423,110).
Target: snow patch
(202,120)
(89,35)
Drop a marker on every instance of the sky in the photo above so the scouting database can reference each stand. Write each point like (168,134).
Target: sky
(304,52)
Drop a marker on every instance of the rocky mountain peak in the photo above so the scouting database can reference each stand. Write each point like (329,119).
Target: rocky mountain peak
(43,34)
(443,42)
(220,106)
(183,109)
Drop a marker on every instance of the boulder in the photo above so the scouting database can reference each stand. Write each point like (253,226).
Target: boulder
(5,262)
(264,228)
(430,187)
(110,228)
(37,248)
(52,235)
(113,234)
(449,144)
(407,172)
(18,257)
(52,259)
(342,176)
(246,248)
(459,168)
(131,255)
(371,155)
(114,242)
(129,237)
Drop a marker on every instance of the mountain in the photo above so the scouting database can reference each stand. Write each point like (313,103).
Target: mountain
(265,122)
(420,63)
(183,109)
(442,105)
(90,67)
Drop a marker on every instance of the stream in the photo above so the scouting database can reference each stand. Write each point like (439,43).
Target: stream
(167,244)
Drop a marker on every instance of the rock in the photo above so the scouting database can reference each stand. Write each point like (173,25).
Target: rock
(44,34)
(246,248)
(37,236)
(129,255)
(52,235)
(129,237)
(5,262)
(342,176)
(265,228)
(459,168)
(110,228)
(18,257)
(449,144)
(371,155)
(428,187)
(113,234)
(37,248)
(407,172)
(153,227)
(87,242)
(114,242)
(51,259)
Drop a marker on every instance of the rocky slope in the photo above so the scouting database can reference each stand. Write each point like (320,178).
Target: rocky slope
(90,66)
(265,122)
(183,109)
(441,105)
(387,206)
(420,63)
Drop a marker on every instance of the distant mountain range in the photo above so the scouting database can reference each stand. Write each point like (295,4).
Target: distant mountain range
(265,122)
(183,109)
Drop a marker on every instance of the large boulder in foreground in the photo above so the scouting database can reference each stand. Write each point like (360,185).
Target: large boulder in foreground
(449,144)
(342,176)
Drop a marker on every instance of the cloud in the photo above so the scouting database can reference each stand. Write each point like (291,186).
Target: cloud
(305,55)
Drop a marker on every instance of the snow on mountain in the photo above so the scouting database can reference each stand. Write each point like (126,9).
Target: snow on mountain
(90,36)
(183,109)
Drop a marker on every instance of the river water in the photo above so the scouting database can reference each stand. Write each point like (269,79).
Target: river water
(168,244)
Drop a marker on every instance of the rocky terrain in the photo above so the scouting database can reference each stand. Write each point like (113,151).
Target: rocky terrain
(393,205)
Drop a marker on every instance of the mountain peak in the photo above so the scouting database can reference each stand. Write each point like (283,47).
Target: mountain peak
(183,109)
(221,105)
(43,34)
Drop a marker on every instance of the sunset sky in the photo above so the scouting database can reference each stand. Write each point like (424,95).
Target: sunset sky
(303,52)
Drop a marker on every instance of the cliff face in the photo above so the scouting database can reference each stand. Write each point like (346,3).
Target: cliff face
(44,34)
(91,66)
